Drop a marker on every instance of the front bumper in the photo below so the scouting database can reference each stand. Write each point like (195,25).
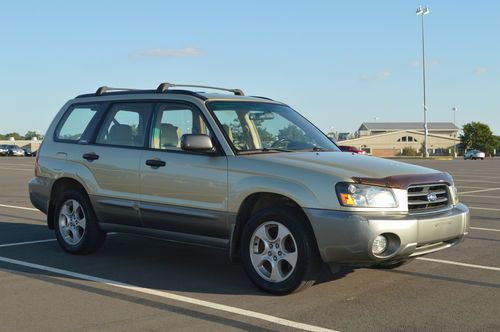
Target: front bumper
(347,237)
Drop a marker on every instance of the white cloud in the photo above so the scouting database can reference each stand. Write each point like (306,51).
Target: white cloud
(380,76)
(481,71)
(383,75)
(168,53)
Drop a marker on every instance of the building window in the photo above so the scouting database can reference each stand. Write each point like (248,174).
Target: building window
(407,139)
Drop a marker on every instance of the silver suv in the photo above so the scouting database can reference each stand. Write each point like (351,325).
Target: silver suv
(248,174)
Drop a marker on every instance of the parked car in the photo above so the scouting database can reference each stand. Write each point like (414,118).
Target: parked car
(353,149)
(474,154)
(29,153)
(4,150)
(247,174)
(14,150)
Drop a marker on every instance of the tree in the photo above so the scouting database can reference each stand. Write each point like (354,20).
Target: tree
(292,133)
(409,152)
(266,138)
(477,135)
(15,135)
(31,133)
(2,137)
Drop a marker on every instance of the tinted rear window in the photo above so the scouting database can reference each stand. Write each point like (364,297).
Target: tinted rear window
(76,121)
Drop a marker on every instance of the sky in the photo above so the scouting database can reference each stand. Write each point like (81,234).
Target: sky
(339,63)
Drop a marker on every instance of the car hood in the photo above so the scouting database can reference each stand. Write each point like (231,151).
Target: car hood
(343,164)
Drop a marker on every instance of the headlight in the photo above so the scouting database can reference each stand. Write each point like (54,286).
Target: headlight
(357,195)
(454,195)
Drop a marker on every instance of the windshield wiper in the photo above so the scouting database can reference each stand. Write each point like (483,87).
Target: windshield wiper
(276,149)
(265,150)
(316,149)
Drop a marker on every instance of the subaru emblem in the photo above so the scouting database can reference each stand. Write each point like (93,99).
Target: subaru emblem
(432,197)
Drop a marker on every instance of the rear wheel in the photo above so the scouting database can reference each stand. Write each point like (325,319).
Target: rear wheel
(279,252)
(76,224)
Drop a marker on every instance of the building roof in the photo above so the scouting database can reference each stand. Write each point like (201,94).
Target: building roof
(418,133)
(394,126)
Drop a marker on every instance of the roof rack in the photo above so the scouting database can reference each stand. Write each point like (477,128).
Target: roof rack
(163,87)
(104,89)
(260,97)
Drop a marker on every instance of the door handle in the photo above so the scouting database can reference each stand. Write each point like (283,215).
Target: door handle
(90,156)
(155,163)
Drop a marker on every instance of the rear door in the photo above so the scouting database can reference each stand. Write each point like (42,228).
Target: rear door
(186,192)
(113,161)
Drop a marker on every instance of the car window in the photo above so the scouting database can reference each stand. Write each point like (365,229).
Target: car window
(263,126)
(233,128)
(171,122)
(75,122)
(125,125)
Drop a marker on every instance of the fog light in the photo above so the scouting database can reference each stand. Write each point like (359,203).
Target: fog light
(379,245)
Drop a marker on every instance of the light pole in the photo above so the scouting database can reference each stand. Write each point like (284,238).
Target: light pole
(422,11)
(454,109)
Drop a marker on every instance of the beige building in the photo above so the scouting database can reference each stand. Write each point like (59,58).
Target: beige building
(390,138)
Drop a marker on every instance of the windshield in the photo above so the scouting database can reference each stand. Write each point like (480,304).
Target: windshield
(255,127)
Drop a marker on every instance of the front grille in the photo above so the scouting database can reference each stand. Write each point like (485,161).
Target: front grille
(428,197)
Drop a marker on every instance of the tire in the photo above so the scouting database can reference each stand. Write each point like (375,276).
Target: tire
(75,223)
(291,266)
(393,264)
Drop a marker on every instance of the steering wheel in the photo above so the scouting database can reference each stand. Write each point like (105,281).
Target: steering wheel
(280,141)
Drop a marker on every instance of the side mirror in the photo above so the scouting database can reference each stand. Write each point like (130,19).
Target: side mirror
(197,143)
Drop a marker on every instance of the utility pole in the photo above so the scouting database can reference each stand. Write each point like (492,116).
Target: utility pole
(422,11)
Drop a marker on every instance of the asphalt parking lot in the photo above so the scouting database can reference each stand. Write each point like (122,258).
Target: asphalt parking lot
(136,283)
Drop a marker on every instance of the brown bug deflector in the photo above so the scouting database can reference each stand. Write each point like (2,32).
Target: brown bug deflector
(403,181)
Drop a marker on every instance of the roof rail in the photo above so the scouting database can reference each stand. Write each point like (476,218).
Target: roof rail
(260,97)
(103,89)
(163,87)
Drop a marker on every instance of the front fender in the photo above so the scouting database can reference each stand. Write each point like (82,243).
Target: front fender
(249,185)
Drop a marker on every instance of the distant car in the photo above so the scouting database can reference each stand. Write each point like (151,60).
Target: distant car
(29,153)
(474,154)
(14,150)
(353,149)
(4,150)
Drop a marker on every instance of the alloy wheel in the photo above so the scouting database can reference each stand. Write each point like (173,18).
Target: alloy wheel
(273,251)
(72,222)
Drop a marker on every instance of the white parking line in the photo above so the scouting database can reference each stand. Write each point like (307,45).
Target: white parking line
(477,181)
(483,267)
(17,169)
(20,164)
(18,207)
(468,176)
(171,296)
(482,208)
(477,191)
(485,229)
(480,196)
(24,243)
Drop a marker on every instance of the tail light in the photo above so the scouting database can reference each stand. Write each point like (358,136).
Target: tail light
(36,158)
(36,162)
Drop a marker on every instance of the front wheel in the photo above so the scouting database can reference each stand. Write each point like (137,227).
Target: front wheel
(279,251)
(75,223)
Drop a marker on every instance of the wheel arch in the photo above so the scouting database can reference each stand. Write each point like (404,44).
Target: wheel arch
(58,188)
